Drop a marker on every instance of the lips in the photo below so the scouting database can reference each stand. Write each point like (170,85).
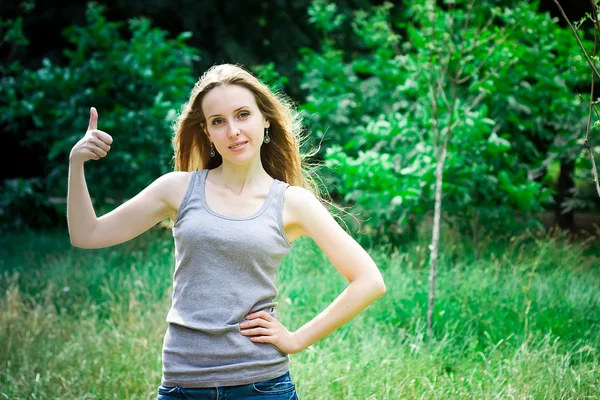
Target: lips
(237,144)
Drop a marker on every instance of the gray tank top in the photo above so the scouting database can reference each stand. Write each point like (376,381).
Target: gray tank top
(225,269)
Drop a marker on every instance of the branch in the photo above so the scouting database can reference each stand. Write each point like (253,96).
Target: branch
(589,123)
(467,20)
(595,17)
(482,63)
(587,143)
(476,101)
(479,33)
(443,92)
(450,129)
(594,170)
(434,89)
(577,37)
(440,87)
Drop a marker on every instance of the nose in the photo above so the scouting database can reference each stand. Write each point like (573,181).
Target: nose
(233,129)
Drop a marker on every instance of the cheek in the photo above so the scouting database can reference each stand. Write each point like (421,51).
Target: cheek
(216,130)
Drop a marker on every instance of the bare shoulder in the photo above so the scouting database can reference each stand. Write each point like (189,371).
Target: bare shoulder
(173,186)
(300,205)
(309,216)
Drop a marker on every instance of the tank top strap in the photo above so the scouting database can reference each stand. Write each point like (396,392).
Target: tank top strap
(278,195)
(195,184)
(200,178)
(275,210)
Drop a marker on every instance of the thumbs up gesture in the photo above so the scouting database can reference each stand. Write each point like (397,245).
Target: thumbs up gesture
(94,145)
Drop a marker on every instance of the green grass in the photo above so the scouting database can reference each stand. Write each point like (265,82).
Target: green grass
(522,322)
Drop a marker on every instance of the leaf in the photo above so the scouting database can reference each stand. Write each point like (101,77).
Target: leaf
(409,170)
(497,145)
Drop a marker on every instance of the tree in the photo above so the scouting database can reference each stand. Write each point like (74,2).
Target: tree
(458,60)
(594,72)
(438,104)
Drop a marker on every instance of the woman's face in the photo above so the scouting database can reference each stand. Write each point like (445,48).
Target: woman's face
(232,116)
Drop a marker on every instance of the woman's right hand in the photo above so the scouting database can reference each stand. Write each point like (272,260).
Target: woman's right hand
(94,145)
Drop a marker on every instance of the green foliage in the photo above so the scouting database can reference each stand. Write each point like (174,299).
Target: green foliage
(13,31)
(18,197)
(536,103)
(269,75)
(324,16)
(137,82)
(388,109)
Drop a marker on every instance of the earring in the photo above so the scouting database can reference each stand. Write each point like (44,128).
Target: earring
(267,138)
(212,150)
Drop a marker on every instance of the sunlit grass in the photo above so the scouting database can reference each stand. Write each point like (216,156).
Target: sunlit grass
(522,322)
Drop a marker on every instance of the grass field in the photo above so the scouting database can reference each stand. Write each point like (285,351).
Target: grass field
(522,322)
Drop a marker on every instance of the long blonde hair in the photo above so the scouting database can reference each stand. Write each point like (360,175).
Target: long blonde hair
(281,158)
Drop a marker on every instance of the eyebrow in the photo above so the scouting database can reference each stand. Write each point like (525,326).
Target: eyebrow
(236,110)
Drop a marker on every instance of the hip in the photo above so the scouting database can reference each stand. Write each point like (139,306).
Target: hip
(279,388)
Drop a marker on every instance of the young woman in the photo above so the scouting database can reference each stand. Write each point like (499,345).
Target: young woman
(238,198)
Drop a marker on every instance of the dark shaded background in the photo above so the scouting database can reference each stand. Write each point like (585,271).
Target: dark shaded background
(246,32)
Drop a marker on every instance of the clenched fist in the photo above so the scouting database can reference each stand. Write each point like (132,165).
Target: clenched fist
(94,145)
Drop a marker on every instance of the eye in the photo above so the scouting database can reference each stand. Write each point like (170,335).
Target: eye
(214,122)
(244,114)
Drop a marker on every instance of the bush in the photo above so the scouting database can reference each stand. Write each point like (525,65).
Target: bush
(377,109)
(136,78)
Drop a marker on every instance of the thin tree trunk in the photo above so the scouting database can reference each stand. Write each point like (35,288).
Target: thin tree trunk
(439,174)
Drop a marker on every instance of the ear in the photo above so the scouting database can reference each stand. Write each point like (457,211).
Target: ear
(267,123)
(203,125)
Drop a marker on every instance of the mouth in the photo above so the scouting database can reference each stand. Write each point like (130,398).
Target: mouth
(239,146)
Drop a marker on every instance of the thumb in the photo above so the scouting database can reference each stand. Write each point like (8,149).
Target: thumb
(93,119)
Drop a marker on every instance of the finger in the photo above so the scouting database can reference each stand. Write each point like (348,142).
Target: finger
(256,331)
(261,339)
(105,137)
(92,156)
(99,143)
(93,119)
(97,151)
(261,314)
(254,323)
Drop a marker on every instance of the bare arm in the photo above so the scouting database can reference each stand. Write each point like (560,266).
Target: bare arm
(81,217)
(348,257)
(129,220)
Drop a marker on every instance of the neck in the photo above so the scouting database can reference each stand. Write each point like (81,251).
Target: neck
(240,177)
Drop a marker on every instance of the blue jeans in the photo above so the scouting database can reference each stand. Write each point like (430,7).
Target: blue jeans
(280,388)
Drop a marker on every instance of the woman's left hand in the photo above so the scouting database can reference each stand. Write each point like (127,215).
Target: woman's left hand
(262,327)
